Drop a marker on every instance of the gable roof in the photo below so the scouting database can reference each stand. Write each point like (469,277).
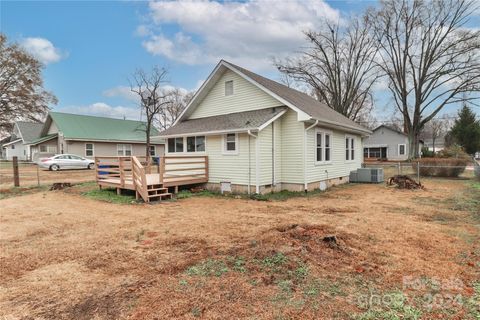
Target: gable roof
(391,129)
(307,107)
(29,131)
(233,122)
(82,127)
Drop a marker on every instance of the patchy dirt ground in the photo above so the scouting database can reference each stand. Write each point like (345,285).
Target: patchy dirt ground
(357,251)
(29,175)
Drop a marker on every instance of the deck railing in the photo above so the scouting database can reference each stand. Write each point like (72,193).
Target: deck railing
(181,170)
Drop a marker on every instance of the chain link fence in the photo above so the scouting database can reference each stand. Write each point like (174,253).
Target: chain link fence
(415,170)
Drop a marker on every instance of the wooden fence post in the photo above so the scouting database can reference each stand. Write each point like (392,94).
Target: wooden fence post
(418,171)
(16,178)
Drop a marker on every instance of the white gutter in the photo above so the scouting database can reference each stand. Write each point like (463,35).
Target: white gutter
(257,169)
(305,154)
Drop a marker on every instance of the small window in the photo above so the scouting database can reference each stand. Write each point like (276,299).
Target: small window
(229,88)
(43,148)
(401,149)
(153,151)
(89,149)
(175,145)
(196,144)
(230,143)
(327,147)
(349,148)
(13,146)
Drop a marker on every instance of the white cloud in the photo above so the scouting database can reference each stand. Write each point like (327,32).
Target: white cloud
(42,49)
(249,33)
(122,92)
(105,110)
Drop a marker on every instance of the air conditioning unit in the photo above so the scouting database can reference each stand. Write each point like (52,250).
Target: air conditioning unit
(367,175)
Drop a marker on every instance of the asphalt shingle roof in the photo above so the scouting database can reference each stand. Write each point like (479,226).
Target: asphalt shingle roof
(248,120)
(29,130)
(82,127)
(302,101)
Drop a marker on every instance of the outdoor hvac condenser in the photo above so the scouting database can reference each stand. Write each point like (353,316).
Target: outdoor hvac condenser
(367,175)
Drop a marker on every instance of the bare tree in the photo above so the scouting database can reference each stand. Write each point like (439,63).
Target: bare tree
(22,96)
(177,99)
(434,129)
(148,87)
(338,66)
(428,56)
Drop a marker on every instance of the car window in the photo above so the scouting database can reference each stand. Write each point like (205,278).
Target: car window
(75,158)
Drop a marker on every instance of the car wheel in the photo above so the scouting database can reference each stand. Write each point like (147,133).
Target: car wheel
(90,166)
(54,167)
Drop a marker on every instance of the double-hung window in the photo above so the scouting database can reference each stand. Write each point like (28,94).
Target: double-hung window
(152,151)
(124,150)
(401,149)
(349,148)
(89,150)
(323,145)
(187,144)
(230,143)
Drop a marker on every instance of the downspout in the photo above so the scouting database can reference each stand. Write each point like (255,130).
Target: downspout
(249,163)
(305,155)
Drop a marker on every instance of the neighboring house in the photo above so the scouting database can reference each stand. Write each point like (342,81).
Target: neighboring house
(90,136)
(260,135)
(386,143)
(20,141)
(3,151)
(439,143)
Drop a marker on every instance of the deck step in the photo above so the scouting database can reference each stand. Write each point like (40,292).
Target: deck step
(161,195)
(156,189)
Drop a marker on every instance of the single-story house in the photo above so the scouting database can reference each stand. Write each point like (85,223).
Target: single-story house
(3,151)
(438,146)
(20,141)
(387,143)
(90,136)
(260,135)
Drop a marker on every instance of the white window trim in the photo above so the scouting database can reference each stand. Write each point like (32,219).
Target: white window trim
(185,152)
(350,137)
(323,132)
(93,149)
(224,145)
(124,149)
(404,149)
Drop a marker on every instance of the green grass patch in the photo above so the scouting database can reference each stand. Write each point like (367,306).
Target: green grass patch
(389,306)
(209,267)
(110,195)
(185,194)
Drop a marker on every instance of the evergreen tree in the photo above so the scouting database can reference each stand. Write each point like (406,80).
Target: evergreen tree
(466,130)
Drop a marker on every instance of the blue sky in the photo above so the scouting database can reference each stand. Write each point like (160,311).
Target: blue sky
(91,47)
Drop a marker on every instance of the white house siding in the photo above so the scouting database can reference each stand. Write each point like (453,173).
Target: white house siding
(231,168)
(265,143)
(245,97)
(20,150)
(292,137)
(338,167)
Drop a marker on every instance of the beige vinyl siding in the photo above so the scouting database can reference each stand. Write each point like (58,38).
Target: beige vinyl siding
(53,128)
(232,167)
(278,150)
(106,148)
(338,167)
(245,97)
(292,135)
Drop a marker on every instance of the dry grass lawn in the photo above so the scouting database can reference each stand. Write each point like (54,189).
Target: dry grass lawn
(64,256)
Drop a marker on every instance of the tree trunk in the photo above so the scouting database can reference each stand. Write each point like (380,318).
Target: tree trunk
(413,144)
(147,151)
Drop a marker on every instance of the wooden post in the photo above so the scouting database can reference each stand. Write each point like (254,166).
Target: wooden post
(38,177)
(162,168)
(206,167)
(418,171)
(122,171)
(16,177)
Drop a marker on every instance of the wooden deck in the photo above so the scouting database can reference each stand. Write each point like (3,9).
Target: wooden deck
(150,182)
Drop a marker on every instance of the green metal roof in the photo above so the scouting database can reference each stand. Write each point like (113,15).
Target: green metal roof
(44,138)
(81,127)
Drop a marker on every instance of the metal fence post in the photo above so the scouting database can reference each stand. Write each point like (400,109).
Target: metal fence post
(16,178)
(399,168)
(418,171)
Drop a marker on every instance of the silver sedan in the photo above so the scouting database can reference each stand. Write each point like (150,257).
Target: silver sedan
(66,161)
